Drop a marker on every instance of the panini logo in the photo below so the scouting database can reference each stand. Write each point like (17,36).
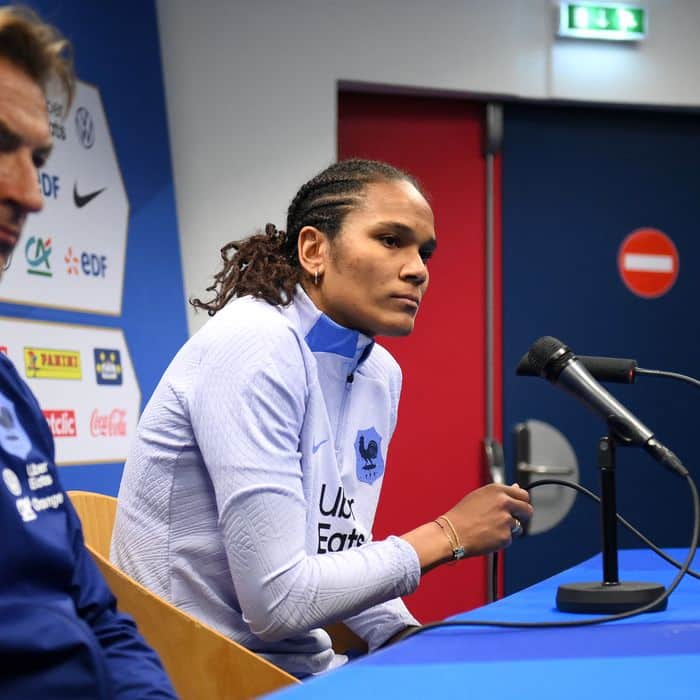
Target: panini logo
(45,363)
(3,349)
(62,423)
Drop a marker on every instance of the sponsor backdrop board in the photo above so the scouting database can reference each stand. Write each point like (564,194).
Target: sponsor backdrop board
(109,222)
(85,383)
(72,253)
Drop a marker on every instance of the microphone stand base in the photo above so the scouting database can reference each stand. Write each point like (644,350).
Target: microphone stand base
(608,598)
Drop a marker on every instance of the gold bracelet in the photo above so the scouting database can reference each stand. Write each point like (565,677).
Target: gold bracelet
(457,548)
(447,534)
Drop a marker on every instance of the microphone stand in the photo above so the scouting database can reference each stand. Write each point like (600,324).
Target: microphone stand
(611,595)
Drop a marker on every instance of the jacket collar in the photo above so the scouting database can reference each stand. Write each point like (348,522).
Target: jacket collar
(323,335)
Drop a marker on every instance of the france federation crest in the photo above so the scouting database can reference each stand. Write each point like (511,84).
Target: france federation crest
(368,455)
(108,366)
(13,438)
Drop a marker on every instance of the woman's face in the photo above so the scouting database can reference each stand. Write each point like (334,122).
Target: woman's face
(375,270)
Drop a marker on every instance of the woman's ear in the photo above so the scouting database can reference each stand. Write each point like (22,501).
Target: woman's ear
(313,250)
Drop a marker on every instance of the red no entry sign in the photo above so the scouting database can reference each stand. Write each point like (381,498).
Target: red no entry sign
(648,262)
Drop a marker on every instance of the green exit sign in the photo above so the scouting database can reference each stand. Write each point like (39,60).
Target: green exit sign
(606,20)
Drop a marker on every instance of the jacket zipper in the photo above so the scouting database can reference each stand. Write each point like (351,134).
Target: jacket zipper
(341,418)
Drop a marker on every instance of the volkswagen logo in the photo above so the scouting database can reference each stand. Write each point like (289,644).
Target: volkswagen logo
(85,127)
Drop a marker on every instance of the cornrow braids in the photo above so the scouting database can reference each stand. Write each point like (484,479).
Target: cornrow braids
(266,265)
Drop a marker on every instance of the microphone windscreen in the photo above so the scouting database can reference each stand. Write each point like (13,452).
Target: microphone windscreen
(542,351)
(524,368)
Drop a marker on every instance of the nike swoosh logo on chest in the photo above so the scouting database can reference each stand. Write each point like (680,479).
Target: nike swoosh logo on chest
(316,447)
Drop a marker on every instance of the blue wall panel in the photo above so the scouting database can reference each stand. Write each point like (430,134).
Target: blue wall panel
(117,49)
(576,181)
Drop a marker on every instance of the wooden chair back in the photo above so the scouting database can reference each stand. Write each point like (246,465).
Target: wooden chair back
(201,662)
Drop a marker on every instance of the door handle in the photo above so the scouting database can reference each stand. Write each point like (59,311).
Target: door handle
(542,452)
(541,469)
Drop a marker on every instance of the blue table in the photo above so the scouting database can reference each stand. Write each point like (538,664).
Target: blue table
(655,655)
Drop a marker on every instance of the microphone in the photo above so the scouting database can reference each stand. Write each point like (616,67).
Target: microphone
(621,370)
(551,359)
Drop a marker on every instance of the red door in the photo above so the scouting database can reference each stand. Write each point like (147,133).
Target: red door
(435,456)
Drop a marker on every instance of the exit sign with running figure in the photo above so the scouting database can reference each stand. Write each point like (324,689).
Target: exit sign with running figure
(607,20)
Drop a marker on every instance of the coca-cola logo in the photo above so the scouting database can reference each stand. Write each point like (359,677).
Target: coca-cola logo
(111,424)
(61,423)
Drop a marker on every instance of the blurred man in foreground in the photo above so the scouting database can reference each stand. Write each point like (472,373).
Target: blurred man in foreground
(60,632)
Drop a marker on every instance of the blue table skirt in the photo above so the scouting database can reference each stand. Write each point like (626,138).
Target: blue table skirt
(654,655)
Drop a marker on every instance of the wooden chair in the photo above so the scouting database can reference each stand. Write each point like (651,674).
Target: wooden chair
(201,662)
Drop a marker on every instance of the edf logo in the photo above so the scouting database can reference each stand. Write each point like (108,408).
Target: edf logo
(49,185)
(93,265)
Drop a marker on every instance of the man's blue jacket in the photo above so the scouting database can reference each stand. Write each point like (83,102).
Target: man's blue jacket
(60,633)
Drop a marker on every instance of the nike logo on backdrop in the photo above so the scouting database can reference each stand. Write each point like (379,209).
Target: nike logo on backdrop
(82,199)
(315,447)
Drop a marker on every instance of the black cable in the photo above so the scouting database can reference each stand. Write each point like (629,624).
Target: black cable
(493,563)
(582,489)
(595,620)
(670,375)
(620,519)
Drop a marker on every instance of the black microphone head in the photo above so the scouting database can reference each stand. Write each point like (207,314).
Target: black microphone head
(620,370)
(544,355)
(524,368)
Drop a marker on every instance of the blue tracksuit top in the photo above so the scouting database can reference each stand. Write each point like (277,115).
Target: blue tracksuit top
(60,633)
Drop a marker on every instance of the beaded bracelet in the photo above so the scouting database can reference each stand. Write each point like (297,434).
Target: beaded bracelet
(457,548)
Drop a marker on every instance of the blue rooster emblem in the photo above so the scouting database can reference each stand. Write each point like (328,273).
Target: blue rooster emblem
(13,437)
(368,454)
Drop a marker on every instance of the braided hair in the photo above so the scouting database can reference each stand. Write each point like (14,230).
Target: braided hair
(266,265)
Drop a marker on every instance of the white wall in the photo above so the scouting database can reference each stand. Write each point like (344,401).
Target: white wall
(251,87)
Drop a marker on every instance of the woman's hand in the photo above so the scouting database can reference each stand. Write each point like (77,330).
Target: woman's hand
(484,521)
